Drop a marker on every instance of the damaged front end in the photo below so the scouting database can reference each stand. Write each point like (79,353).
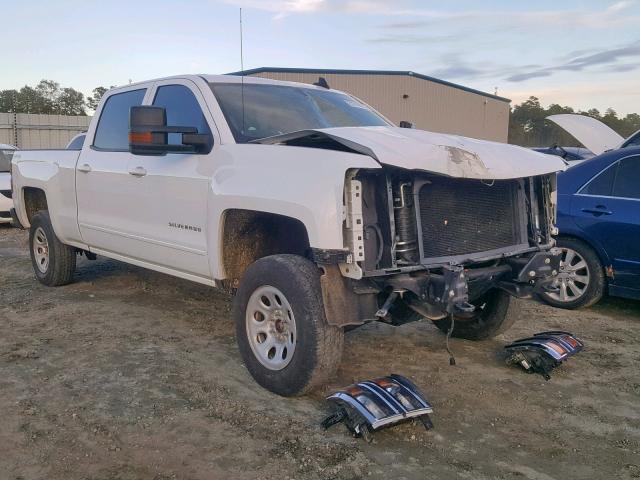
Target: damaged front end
(437,244)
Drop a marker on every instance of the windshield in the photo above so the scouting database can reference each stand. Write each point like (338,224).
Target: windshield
(277,109)
(632,141)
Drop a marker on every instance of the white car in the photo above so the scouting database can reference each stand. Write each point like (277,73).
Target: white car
(6,203)
(304,202)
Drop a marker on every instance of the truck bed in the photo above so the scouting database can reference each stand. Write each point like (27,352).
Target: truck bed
(53,172)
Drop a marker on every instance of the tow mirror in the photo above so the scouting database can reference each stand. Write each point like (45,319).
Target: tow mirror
(148,134)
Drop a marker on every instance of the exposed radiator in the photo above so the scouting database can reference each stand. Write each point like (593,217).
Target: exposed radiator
(460,217)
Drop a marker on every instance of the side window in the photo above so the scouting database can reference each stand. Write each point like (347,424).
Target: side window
(77,142)
(627,183)
(112,132)
(182,108)
(602,184)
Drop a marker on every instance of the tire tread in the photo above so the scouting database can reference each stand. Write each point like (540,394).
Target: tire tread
(301,276)
(62,258)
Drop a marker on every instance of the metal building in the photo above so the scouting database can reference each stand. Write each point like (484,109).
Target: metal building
(427,102)
(30,130)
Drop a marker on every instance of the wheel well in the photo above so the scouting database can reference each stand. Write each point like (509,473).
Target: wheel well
(249,235)
(34,200)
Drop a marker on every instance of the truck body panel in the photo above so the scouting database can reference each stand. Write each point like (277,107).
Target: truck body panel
(450,155)
(304,184)
(53,172)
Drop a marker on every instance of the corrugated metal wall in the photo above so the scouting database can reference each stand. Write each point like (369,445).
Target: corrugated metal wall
(28,130)
(429,106)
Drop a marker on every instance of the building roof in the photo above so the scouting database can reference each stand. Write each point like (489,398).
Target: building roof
(367,72)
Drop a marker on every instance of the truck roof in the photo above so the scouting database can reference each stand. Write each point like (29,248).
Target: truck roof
(226,79)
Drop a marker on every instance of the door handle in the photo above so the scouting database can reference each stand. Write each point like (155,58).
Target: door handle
(598,210)
(138,172)
(85,168)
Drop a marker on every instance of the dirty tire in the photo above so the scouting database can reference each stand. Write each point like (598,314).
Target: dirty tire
(495,313)
(318,345)
(61,258)
(595,288)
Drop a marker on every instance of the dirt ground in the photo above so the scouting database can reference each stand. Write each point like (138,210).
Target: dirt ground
(130,374)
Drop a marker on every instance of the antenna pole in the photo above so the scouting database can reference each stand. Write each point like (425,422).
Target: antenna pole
(242,72)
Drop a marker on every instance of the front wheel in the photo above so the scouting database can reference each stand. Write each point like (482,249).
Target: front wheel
(282,333)
(494,314)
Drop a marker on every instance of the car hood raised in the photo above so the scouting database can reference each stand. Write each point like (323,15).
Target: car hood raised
(592,133)
(451,155)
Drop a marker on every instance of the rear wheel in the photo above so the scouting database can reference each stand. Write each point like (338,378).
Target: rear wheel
(282,333)
(53,262)
(494,313)
(581,280)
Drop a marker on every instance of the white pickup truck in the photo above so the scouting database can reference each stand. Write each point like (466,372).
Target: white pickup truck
(304,202)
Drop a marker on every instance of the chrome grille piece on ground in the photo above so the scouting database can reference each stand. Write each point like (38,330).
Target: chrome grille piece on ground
(543,352)
(373,404)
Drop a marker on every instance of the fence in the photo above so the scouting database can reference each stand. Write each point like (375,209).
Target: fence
(29,130)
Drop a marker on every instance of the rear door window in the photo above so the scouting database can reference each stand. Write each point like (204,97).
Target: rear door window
(602,184)
(627,182)
(112,132)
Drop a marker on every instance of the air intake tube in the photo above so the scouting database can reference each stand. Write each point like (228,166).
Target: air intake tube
(405,219)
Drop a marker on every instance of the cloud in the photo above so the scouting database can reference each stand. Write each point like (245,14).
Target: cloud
(615,14)
(607,57)
(521,77)
(283,8)
(618,59)
(626,67)
(459,71)
(413,39)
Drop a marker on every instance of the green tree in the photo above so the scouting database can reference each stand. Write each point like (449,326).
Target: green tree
(528,127)
(29,100)
(46,97)
(70,102)
(8,99)
(631,124)
(94,99)
(48,90)
(527,122)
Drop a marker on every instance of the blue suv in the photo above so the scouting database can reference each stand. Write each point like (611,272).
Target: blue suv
(599,223)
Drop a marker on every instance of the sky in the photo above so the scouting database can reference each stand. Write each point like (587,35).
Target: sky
(584,54)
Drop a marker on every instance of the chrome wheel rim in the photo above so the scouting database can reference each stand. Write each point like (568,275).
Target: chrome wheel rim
(271,327)
(573,278)
(41,250)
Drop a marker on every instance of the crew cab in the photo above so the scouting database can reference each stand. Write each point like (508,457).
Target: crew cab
(309,206)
